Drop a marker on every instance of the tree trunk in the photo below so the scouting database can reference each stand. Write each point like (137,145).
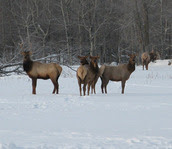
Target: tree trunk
(66,31)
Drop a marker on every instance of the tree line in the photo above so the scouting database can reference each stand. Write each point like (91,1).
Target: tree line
(60,30)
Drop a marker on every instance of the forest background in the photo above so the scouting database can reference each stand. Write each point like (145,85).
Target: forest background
(60,30)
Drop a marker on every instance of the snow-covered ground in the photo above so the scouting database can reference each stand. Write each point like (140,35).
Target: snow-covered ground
(139,119)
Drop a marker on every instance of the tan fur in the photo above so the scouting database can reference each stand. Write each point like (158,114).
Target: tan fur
(43,71)
(121,73)
(59,68)
(102,68)
(37,70)
(145,60)
(82,72)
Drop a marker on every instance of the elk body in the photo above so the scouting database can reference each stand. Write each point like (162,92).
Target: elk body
(145,59)
(86,73)
(121,73)
(36,70)
(148,57)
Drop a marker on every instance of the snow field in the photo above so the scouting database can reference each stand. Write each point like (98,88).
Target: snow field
(139,119)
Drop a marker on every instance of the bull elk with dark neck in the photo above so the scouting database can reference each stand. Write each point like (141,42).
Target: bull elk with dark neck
(36,70)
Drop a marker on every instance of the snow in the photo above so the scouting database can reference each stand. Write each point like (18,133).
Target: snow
(139,119)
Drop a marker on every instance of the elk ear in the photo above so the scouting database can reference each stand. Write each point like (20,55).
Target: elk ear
(79,56)
(98,57)
(91,57)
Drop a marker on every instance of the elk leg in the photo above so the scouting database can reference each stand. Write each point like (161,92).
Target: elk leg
(57,89)
(34,81)
(88,91)
(105,85)
(55,86)
(84,88)
(79,83)
(123,85)
(146,66)
(106,89)
(80,89)
(102,88)
(102,85)
(92,88)
(53,90)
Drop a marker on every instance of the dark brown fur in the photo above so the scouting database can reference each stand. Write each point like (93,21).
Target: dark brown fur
(117,73)
(97,75)
(36,70)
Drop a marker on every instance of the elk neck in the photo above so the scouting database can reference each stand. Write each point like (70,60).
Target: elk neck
(94,69)
(27,65)
(131,67)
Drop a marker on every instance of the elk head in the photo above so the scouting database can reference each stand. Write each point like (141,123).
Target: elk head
(94,60)
(132,58)
(26,55)
(83,60)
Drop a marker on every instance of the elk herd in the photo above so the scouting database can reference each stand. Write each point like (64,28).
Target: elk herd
(87,73)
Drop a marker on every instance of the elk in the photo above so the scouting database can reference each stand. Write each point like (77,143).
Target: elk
(121,73)
(36,70)
(146,59)
(86,73)
(154,55)
(82,71)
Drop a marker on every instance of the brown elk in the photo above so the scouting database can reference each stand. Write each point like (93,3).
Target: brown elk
(146,59)
(82,71)
(36,70)
(86,73)
(83,60)
(154,55)
(121,73)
